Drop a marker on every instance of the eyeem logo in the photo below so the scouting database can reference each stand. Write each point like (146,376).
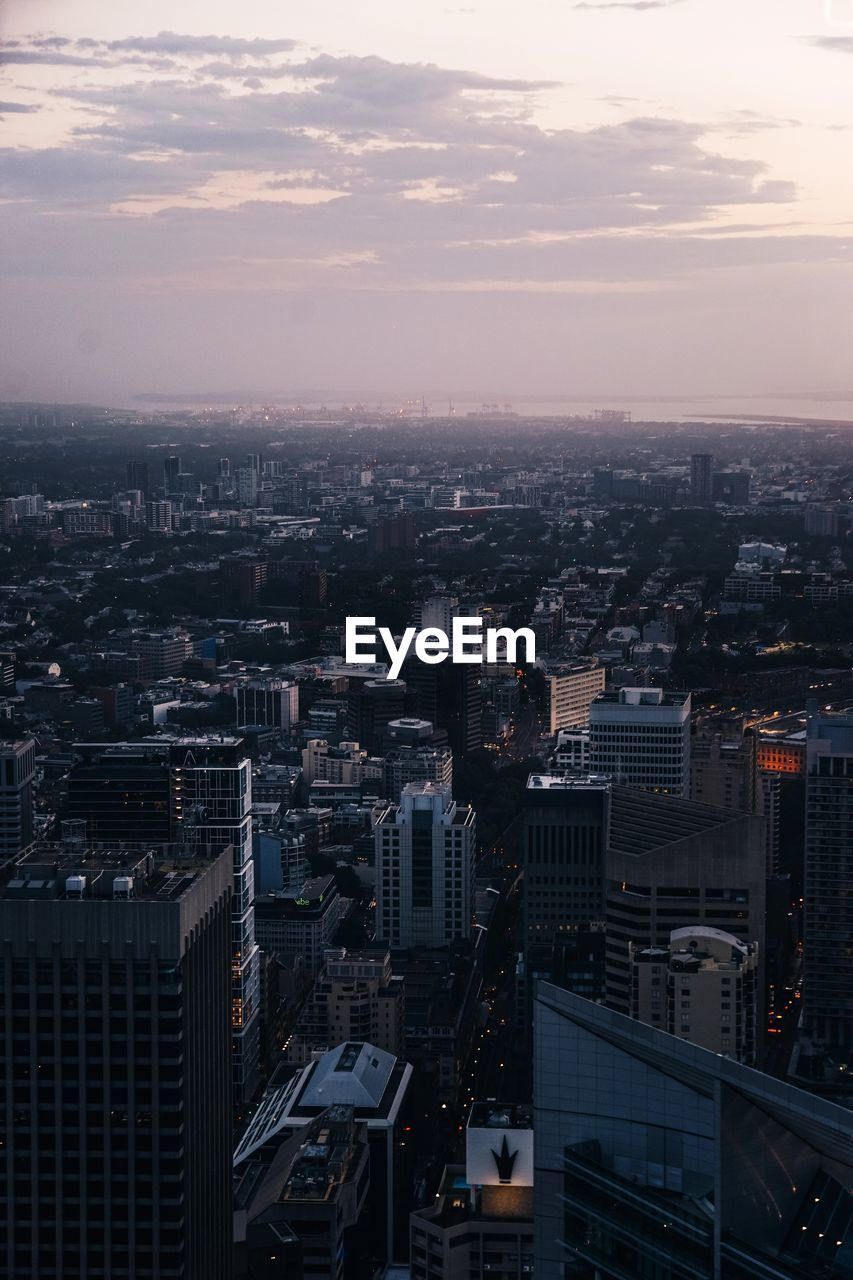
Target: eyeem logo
(468,642)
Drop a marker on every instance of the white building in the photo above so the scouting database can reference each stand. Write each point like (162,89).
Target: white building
(425,849)
(641,738)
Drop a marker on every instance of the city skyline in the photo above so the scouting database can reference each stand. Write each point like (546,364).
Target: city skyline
(272,200)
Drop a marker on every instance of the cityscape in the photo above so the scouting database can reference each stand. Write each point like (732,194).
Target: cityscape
(426,787)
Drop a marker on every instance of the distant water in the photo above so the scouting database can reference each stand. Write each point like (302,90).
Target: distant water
(831,407)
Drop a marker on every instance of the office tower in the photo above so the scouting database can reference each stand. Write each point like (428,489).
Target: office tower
(701,988)
(17,778)
(299,928)
(253,462)
(211,785)
(566,824)
(121,792)
(602,483)
(302,1210)
(371,706)
(223,468)
(731,486)
(656,1157)
(828,925)
(480,1225)
(136,477)
(159,516)
(768,802)
(162,653)
(701,477)
(571,689)
(641,738)
(172,475)
(449,696)
(673,863)
(723,765)
(116,1121)
(280,863)
(268,701)
(246,483)
(425,849)
(377,1084)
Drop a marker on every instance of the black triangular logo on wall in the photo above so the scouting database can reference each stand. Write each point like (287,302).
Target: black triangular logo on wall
(504,1161)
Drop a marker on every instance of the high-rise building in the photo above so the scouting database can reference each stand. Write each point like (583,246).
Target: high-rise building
(246,483)
(425,848)
(356,997)
(159,515)
(672,863)
(301,1210)
(172,475)
(450,697)
(723,768)
(371,706)
(17,778)
(121,792)
(268,701)
(571,689)
(354,1074)
(136,477)
(657,1157)
(702,988)
(116,1124)
(211,785)
(828,895)
(641,738)
(480,1225)
(415,764)
(701,477)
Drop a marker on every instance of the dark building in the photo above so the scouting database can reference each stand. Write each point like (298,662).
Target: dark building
(392,533)
(17,775)
(300,1208)
(242,580)
(449,696)
(172,474)
(731,487)
(121,792)
(136,475)
(702,477)
(659,1158)
(115,1158)
(7,673)
(370,709)
(602,483)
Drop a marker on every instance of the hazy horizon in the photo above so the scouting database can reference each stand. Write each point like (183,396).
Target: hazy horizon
(650,199)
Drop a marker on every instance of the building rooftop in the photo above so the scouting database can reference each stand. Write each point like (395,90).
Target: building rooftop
(52,871)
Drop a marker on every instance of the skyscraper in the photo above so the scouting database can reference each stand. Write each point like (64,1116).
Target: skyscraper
(425,850)
(171,474)
(701,477)
(655,1157)
(17,775)
(641,738)
(116,1120)
(136,476)
(211,782)
(828,931)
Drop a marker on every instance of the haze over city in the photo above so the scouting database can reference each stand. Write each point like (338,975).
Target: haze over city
(640,202)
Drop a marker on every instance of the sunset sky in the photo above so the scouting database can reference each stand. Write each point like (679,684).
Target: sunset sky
(496,198)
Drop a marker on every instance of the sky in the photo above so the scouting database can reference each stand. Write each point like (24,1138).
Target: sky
(493,199)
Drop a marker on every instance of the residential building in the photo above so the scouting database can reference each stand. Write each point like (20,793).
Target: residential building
(702,988)
(571,689)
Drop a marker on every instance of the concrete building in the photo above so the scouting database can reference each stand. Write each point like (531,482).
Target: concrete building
(300,929)
(269,702)
(828,925)
(657,1157)
(641,738)
(425,849)
(702,988)
(17,779)
(571,689)
(480,1226)
(571,754)
(117,1124)
(356,997)
(376,1084)
(313,1188)
(723,766)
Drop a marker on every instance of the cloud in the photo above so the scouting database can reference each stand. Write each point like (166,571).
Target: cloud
(18,108)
